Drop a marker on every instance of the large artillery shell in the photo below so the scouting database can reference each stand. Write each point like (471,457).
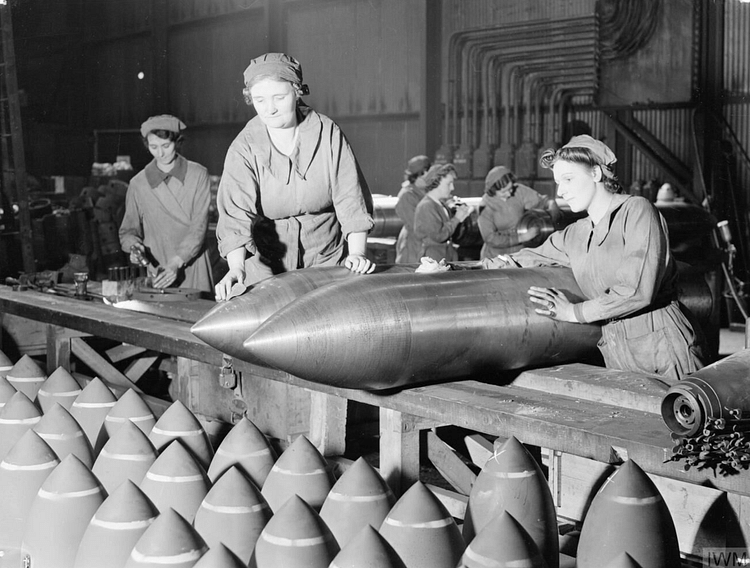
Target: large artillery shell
(404,329)
(628,515)
(169,541)
(178,422)
(228,324)
(26,376)
(18,415)
(64,435)
(367,549)
(300,470)
(502,543)
(512,481)
(247,447)
(130,408)
(59,387)
(422,531)
(128,455)
(91,407)
(359,498)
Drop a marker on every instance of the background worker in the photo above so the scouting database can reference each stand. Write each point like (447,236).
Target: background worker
(411,193)
(505,202)
(166,210)
(439,214)
(292,194)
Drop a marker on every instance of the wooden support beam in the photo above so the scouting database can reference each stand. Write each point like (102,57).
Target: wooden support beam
(454,502)
(100,366)
(449,464)
(399,448)
(124,351)
(480,449)
(137,368)
(328,423)
(59,348)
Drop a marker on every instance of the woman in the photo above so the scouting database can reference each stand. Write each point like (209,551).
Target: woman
(291,195)
(505,202)
(411,193)
(438,215)
(166,210)
(621,260)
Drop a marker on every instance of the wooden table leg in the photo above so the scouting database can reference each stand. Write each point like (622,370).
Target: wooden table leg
(59,348)
(399,449)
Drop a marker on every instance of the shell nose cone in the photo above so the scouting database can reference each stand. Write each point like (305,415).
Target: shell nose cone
(224,326)
(274,344)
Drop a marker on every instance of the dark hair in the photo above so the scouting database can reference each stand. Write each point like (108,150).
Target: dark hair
(585,158)
(501,183)
(438,174)
(300,89)
(170,135)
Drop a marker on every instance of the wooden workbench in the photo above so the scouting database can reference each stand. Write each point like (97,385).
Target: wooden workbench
(564,409)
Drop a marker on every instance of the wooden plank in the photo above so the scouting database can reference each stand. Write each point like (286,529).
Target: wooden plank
(454,502)
(399,450)
(480,449)
(138,367)
(124,351)
(637,391)
(99,365)
(449,465)
(328,423)
(58,347)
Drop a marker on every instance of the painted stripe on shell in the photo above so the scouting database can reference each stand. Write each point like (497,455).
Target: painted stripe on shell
(32,467)
(167,560)
(300,473)
(234,510)
(69,495)
(335,496)
(222,452)
(32,420)
(94,404)
(173,478)
(176,432)
(510,474)
(50,436)
(492,563)
(6,368)
(26,379)
(43,392)
(123,419)
(127,457)
(123,525)
(440,523)
(637,500)
(294,542)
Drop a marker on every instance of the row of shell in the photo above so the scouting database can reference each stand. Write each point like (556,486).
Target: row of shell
(90,481)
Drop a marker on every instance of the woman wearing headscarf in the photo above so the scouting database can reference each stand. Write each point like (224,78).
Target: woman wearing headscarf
(166,210)
(438,215)
(292,194)
(411,193)
(621,260)
(505,203)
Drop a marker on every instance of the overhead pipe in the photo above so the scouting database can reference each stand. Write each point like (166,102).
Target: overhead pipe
(457,64)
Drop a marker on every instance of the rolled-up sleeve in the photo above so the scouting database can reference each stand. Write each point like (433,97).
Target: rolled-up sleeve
(351,195)
(236,201)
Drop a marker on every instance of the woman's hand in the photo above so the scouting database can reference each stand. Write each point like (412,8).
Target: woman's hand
(499,261)
(224,286)
(359,263)
(554,303)
(167,274)
(135,258)
(463,211)
(528,235)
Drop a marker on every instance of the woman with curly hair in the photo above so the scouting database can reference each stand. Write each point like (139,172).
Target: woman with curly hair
(621,260)
(438,214)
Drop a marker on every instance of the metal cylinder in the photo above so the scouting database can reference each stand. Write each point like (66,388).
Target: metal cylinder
(406,329)
(718,391)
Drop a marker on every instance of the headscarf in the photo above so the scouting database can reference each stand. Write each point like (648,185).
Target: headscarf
(495,175)
(604,155)
(278,64)
(162,122)
(417,164)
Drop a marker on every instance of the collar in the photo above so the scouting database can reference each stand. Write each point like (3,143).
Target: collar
(280,166)
(605,224)
(155,176)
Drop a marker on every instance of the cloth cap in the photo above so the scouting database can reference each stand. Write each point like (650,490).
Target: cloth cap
(495,175)
(278,64)
(162,122)
(417,164)
(602,152)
